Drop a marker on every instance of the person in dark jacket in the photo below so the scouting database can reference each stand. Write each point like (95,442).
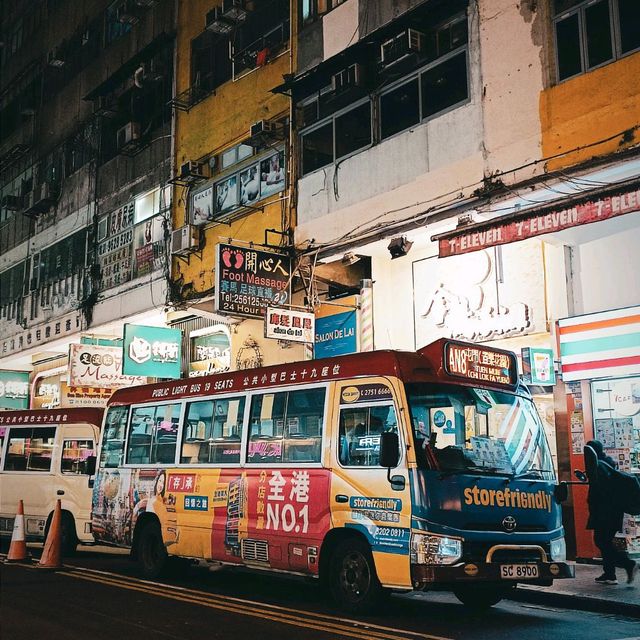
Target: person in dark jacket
(605,518)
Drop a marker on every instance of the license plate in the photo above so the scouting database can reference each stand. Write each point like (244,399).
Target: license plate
(518,571)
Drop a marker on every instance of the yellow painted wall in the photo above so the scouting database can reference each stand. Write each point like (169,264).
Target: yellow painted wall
(590,108)
(218,122)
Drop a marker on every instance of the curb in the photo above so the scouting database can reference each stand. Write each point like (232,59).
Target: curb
(572,601)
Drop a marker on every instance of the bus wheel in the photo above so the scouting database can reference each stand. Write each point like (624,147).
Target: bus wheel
(478,597)
(152,554)
(353,581)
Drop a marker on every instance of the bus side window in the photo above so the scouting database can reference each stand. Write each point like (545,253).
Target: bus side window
(154,434)
(75,454)
(30,449)
(111,454)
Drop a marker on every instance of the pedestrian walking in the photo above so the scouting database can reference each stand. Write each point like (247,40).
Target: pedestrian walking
(605,515)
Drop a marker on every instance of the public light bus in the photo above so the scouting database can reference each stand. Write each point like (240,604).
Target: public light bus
(46,455)
(374,472)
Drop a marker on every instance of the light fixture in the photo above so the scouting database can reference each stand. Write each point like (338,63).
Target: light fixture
(350,258)
(399,247)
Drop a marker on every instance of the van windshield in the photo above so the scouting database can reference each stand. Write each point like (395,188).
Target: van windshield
(467,430)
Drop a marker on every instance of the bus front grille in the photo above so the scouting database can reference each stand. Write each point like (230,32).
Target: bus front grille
(255,550)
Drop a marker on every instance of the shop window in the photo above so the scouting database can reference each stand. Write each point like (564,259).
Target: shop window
(30,449)
(590,34)
(210,64)
(111,454)
(444,85)
(235,155)
(153,435)
(360,432)
(399,109)
(311,10)
(76,456)
(212,431)
(286,426)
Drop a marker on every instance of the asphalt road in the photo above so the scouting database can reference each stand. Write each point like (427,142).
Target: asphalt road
(99,596)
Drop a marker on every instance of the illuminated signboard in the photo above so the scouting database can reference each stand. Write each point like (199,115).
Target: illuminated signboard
(480,363)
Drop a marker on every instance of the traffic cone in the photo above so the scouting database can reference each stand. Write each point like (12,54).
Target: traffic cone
(52,552)
(18,548)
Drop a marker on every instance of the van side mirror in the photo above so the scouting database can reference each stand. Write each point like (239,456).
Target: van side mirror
(561,492)
(389,450)
(90,467)
(581,475)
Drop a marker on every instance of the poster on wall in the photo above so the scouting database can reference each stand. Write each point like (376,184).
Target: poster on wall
(272,174)
(249,280)
(14,389)
(486,295)
(249,185)
(227,194)
(148,246)
(202,206)
(152,351)
(115,233)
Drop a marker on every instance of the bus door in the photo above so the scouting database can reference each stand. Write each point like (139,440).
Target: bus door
(362,497)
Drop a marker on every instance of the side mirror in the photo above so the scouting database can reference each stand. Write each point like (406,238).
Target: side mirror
(581,475)
(561,492)
(389,450)
(90,467)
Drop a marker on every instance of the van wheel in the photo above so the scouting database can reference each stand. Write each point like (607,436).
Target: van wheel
(353,581)
(68,534)
(478,597)
(152,554)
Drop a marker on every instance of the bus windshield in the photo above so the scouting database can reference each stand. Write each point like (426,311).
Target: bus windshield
(460,429)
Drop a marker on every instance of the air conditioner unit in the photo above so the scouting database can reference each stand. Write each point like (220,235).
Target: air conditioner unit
(128,12)
(185,239)
(145,4)
(55,58)
(42,198)
(106,106)
(348,78)
(128,135)
(308,113)
(12,203)
(234,10)
(192,171)
(264,131)
(406,43)
(217,22)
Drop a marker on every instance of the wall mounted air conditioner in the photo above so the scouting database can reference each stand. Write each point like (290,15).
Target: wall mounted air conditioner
(42,198)
(234,10)
(264,131)
(348,78)
(106,106)
(406,43)
(128,135)
(185,239)
(217,22)
(55,58)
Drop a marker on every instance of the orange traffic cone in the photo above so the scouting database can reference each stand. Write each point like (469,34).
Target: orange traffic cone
(18,548)
(52,552)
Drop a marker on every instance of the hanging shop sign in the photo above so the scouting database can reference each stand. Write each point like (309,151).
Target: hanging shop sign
(49,392)
(151,351)
(537,366)
(287,324)
(248,280)
(513,228)
(210,351)
(148,246)
(98,366)
(600,345)
(336,334)
(115,235)
(480,364)
(14,390)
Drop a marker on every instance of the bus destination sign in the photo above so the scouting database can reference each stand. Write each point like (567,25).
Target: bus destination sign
(480,363)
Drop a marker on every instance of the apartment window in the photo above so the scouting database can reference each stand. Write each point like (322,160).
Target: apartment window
(399,108)
(352,129)
(311,10)
(210,64)
(590,33)
(444,85)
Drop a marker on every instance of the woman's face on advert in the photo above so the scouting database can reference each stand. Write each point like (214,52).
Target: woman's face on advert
(160,484)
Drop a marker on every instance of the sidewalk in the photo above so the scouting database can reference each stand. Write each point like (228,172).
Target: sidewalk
(584,593)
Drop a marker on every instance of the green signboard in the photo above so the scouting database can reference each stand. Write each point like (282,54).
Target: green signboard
(537,366)
(151,351)
(14,390)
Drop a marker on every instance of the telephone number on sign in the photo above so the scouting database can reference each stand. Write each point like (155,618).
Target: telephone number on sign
(236,298)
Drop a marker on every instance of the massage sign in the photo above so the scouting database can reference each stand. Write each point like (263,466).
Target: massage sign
(248,281)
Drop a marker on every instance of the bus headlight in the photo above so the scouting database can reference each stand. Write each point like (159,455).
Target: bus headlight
(558,551)
(428,548)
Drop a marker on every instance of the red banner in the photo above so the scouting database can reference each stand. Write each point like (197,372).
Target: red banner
(535,224)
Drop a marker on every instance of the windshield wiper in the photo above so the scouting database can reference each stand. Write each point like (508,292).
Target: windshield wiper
(533,470)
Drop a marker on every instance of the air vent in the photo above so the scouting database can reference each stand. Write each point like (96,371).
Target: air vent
(405,44)
(255,550)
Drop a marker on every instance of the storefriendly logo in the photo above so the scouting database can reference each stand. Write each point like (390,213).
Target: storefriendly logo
(514,499)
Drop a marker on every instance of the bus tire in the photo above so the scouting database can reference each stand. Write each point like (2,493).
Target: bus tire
(151,553)
(353,581)
(478,597)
